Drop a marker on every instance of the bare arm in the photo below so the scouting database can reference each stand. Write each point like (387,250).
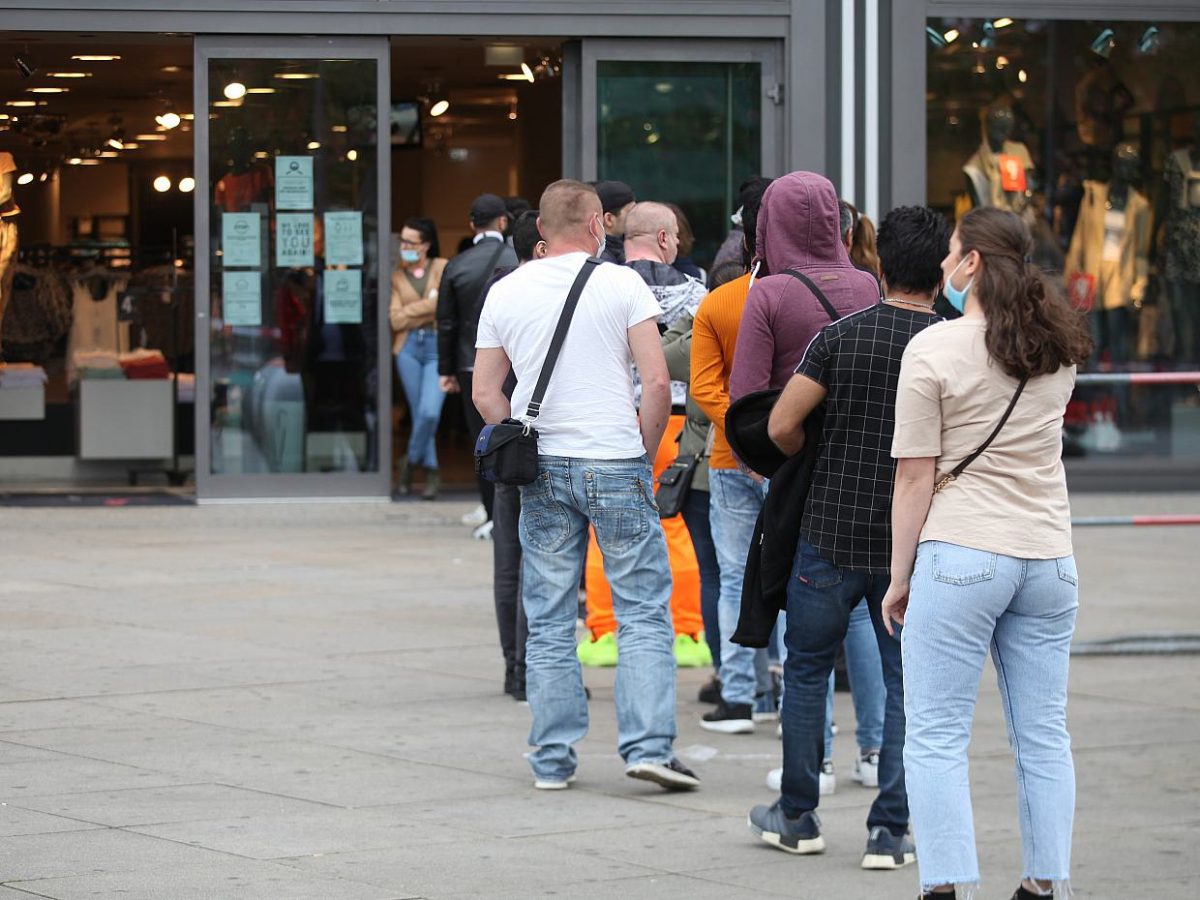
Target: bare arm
(646,347)
(911,498)
(786,425)
(491,368)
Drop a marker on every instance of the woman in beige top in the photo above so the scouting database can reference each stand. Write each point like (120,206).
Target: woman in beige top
(983,560)
(413,311)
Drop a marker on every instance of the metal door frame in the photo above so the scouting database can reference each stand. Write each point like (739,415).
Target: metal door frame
(308,485)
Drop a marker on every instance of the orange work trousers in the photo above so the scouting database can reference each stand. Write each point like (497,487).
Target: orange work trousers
(685,571)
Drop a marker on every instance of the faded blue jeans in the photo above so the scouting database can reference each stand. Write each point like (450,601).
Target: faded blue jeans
(616,497)
(417,365)
(961,603)
(734,503)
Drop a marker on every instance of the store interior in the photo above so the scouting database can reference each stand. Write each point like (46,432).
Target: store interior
(97,248)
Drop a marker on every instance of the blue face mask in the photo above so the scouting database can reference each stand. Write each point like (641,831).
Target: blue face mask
(957,296)
(410,256)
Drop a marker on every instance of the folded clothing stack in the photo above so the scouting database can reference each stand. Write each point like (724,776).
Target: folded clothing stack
(95,364)
(144,364)
(21,375)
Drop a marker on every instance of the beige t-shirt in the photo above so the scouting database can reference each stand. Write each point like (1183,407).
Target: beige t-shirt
(1013,498)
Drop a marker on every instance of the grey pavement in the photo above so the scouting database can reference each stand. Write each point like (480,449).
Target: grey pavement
(304,701)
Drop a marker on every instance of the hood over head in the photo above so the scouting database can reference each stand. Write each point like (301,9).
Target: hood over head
(798,224)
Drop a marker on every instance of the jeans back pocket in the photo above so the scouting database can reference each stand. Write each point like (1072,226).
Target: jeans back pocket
(953,564)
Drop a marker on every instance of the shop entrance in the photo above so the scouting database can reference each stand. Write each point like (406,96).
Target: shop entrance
(96,228)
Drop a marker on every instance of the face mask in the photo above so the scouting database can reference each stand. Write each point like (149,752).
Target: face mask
(410,256)
(957,296)
(600,242)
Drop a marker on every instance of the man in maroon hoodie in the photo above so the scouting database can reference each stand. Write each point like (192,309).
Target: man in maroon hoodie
(798,230)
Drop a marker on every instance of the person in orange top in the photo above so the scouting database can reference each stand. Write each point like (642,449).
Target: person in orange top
(735,496)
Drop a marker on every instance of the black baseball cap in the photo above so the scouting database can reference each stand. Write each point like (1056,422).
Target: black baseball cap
(487,207)
(614,195)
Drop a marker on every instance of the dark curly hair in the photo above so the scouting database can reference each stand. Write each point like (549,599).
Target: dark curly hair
(1031,328)
(913,241)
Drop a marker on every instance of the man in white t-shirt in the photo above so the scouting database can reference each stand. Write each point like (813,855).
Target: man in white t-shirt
(593,468)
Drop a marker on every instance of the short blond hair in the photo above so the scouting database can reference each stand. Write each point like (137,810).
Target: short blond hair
(566,208)
(648,218)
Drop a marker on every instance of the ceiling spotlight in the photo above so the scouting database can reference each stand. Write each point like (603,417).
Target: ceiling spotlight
(45,176)
(168,120)
(935,37)
(951,36)
(1104,42)
(23,64)
(527,72)
(151,137)
(162,184)
(74,161)
(1150,41)
(1003,22)
(187,184)
(235,90)
(352,155)
(439,108)
(260,90)
(25,178)
(115,143)
(22,103)
(297,76)
(1022,76)
(171,70)
(314,145)
(68,74)
(131,145)
(96,57)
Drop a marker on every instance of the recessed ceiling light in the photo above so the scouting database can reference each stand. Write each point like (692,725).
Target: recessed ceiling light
(352,155)
(95,57)
(131,145)
(151,137)
(68,74)
(109,154)
(235,90)
(227,103)
(260,90)
(25,178)
(22,103)
(168,120)
(339,129)
(439,108)
(3,117)
(297,76)
(187,117)
(162,184)
(89,162)
(47,90)
(261,154)
(314,145)
(1003,22)
(171,70)
(187,184)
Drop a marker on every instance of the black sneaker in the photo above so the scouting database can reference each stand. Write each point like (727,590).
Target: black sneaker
(711,692)
(886,851)
(673,775)
(736,718)
(801,835)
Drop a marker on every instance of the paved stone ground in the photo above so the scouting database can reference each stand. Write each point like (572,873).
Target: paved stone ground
(303,701)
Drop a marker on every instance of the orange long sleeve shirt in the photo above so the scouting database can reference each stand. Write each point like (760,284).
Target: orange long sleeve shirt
(714,336)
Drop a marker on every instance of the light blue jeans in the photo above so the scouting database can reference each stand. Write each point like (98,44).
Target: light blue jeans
(617,498)
(866,684)
(417,366)
(962,602)
(734,503)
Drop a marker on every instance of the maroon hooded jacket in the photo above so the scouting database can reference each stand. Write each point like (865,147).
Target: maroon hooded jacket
(798,228)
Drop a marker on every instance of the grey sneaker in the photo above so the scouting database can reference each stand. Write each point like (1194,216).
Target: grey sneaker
(672,774)
(886,851)
(553,784)
(801,835)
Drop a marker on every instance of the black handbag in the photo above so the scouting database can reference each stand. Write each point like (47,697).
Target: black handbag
(674,485)
(507,452)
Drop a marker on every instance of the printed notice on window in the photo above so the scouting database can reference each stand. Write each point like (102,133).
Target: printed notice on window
(343,297)
(343,238)
(241,298)
(240,237)
(294,240)
(293,182)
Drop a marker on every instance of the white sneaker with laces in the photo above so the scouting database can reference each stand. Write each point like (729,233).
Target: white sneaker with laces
(475,517)
(866,769)
(483,532)
(828,778)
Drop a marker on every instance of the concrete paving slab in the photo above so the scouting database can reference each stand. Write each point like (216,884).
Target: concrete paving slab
(59,854)
(72,774)
(15,822)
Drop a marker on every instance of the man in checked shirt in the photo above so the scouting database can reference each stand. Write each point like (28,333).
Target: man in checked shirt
(844,555)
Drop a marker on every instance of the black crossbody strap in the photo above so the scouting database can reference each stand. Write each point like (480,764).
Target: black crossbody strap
(817,292)
(961,467)
(560,335)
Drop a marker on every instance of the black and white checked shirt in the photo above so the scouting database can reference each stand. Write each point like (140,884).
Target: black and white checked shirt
(857,359)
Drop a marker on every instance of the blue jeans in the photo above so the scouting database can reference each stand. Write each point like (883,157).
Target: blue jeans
(417,365)
(735,500)
(866,684)
(615,496)
(696,517)
(821,597)
(962,602)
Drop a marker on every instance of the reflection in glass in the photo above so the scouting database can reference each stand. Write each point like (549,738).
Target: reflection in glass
(686,133)
(294,237)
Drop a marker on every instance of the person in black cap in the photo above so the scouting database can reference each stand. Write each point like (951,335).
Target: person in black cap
(459,301)
(616,197)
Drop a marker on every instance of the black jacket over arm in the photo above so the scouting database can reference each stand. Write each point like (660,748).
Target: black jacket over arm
(460,299)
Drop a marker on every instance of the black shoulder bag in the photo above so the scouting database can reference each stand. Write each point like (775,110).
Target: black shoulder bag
(961,467)
(675,482)
(507,453)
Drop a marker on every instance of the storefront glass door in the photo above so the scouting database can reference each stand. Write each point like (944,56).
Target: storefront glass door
(292,339)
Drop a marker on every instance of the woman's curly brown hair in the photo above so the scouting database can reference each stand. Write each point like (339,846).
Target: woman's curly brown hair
(1031,328)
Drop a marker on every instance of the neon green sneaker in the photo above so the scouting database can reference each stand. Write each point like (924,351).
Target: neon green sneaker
(691,653)
(600,653)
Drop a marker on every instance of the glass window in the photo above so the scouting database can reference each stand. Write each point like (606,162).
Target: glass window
(1090,131)
(294,297)
(683,133)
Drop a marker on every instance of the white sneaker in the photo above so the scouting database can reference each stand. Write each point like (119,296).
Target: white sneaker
(866,769)
(551,784)
(483,532)
(775,779)
(475,517)
(828,778)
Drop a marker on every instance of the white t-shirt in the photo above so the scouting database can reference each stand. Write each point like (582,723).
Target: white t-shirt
(588,409)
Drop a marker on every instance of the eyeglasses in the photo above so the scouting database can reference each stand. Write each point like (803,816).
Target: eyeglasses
(411,244)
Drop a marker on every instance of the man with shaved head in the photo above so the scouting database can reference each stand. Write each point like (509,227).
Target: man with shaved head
(593,469)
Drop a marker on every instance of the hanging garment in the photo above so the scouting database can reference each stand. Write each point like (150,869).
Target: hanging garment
(1183,221)
(37,315)
(1000,179)
(1120,277)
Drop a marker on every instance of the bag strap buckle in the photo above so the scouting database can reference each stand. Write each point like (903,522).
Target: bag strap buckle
(941,485)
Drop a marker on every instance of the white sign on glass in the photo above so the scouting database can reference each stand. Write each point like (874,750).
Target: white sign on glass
(343,297)
(241,296)
(293,182)
(240,239)
(293,240)
(344,238)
